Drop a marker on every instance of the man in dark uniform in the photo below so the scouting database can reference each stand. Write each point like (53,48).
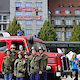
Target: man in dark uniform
(14,56)
(19,69)
(34,62)
(7,65)
(26,54)
(44,61)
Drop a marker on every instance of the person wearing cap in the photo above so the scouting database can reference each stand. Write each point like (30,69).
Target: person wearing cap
(26,54)
(19,69)
(44,61)
(7,65)
(34,64)
(14,56)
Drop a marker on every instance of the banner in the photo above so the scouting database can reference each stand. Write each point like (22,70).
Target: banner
(27,9)
(28,17)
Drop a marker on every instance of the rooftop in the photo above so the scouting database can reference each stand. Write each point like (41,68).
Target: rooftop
(62,5)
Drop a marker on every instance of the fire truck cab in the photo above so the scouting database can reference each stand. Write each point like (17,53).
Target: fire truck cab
(58,64)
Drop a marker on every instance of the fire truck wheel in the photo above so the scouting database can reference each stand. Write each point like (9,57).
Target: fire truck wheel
(66,75)
(58,78)
(71,74)
(62,75)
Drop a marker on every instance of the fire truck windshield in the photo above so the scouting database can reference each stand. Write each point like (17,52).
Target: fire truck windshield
(37,45)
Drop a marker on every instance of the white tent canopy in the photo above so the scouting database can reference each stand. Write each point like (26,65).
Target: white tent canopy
(59,50)
(78,56)
(69,55)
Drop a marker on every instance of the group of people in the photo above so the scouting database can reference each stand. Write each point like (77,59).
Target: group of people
(24,67)
(74,65)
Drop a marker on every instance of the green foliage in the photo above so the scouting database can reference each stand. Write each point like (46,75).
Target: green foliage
(75,36)
(47,32)
(14,27)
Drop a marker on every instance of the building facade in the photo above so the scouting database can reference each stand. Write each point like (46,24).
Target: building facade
(4,15)
(30,14)
(64,15)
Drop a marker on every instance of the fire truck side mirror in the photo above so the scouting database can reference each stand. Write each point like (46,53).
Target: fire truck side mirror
(30,40)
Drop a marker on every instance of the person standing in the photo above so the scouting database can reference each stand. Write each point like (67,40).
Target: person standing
(74,64)
(7,65)
(44,61)
(19,67)
(14,56)
(34,64)
(26,54)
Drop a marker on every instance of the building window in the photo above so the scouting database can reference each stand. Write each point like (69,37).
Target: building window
(36,12)
(4,27)
(79,6)
(58,34)
(4,17)
(19,22)
(37,31)
(39,13)
(28,13)
(68,34)
(68,22)
(0,17)
(39,22)
(28,22)
(28,4)
(67,11)
(18,13)
(77,21)
(57,11)
(77,11)
(61,5)
(29,31)
(71,6)
(57,22)
(38,4)
(18,4)
(0,27)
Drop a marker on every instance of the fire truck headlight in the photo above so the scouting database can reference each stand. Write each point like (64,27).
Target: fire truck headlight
(55,68)
(48,68)
(59,68)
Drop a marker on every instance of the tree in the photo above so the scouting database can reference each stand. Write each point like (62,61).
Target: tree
(75,36)
(47,32)
(14,27)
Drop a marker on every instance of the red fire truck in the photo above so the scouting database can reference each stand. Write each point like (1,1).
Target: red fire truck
(58,64)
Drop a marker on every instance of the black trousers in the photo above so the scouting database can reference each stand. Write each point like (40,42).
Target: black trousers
(14,77)
(76,73)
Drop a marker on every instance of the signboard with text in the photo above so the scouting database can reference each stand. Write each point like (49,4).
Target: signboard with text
(27,9)
(28,17)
